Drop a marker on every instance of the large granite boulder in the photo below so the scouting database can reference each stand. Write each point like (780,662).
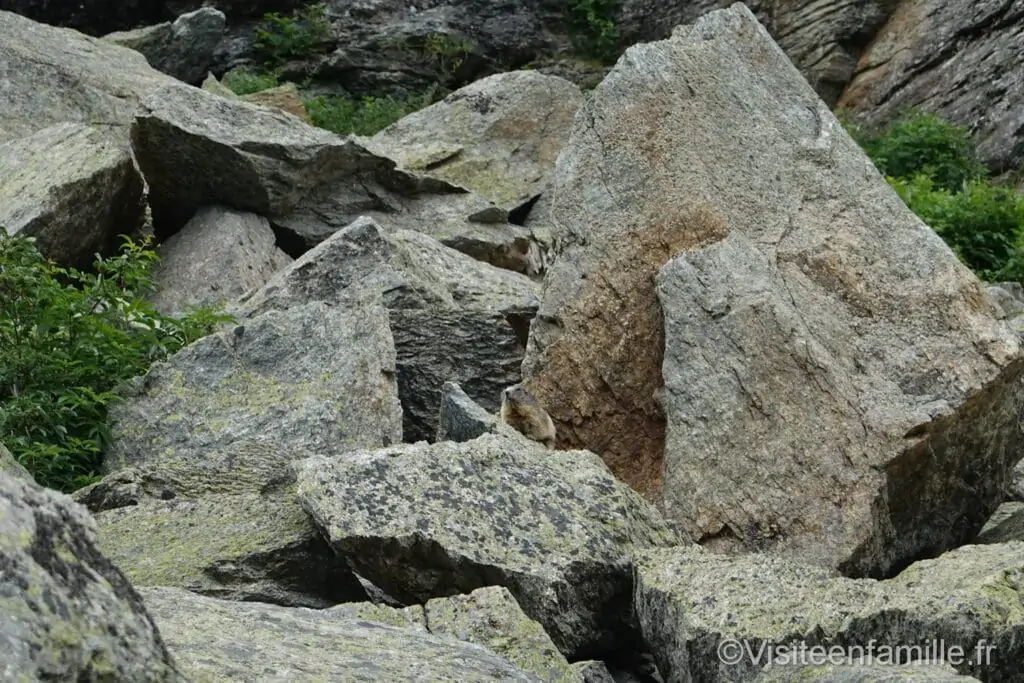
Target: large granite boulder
(182,48)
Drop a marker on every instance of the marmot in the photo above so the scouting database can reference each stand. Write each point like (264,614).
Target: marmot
(521,411)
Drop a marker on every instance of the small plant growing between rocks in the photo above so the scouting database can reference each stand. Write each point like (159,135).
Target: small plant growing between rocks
(596,33)
(344,115)
(67,339)
(279,38)
(245,81)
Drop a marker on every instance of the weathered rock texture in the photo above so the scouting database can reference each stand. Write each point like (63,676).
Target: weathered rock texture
(221,641)
(244,547)
(66,612)
(462,418)
(182,48)
(555,528)
(11,467)
(864,673)
(219,255)
(73,187)
(689,601)
(1007,524)
(314,378)
(823,348)
(50,75)
(499,136)
(961,60)
(453,318)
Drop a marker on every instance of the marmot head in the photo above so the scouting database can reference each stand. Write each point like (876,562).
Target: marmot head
(517,394)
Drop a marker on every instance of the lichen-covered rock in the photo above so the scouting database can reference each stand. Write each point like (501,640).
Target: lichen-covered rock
(491,617)
(82,80)
(315,378)
(66,612)
(453,318)
(244,547)
(960,59)
(219,255)
(498,136)
(73,187)
(223,642)
(424,521)
(592,671)
(182,48)
(199,149)
(837,385)
(689,601)
(285,97)
(10,466)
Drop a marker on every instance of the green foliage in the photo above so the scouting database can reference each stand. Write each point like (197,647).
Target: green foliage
(445,53)
(367,116)
(245,81)
(922,143)
(67,339)
(279,38)
(596,33)
(982,223)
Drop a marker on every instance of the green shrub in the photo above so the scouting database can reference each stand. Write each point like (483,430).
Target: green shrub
(595,32)
(982,223)
(278,38)
(67,339)
(367,116)
(245,81)
(922,143)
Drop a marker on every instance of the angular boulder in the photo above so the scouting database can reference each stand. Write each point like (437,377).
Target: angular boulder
(227,641)
(836,384)
(10,466)
(66,612)
(182,48)
(462,418)
(498,136)
(453,318)
(712,617)
(219,255)
(425,521)
(73,187)
(314,378)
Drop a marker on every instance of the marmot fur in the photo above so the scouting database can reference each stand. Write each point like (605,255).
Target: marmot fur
(521,411)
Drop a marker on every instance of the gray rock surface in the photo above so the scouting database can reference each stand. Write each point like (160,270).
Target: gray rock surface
(10,466)
(498,136)
(182,48)
(1016,489)
(199,149)
(424,521)
(314,378)
(793,425)
(453,318)
(66,612)
(689,601)
(221,641)
(866,673)
(1007,524)
(959,59)
(1010,297)
(72,186)
(51,75)
(219,255)
(462,418)
(244,547)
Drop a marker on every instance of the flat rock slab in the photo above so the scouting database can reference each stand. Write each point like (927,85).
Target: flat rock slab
(498,136)
(220,641)
(221,254)
(453,318)
(72,186)
(868,673)
(66,612)
(689,601)
(245,547)
(312,379)
(424,521)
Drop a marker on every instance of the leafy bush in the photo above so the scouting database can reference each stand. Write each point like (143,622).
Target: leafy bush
(367,116)
(982,223)
(244,81)
(596,33)
(67,339)
(278,38)
(922,143)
